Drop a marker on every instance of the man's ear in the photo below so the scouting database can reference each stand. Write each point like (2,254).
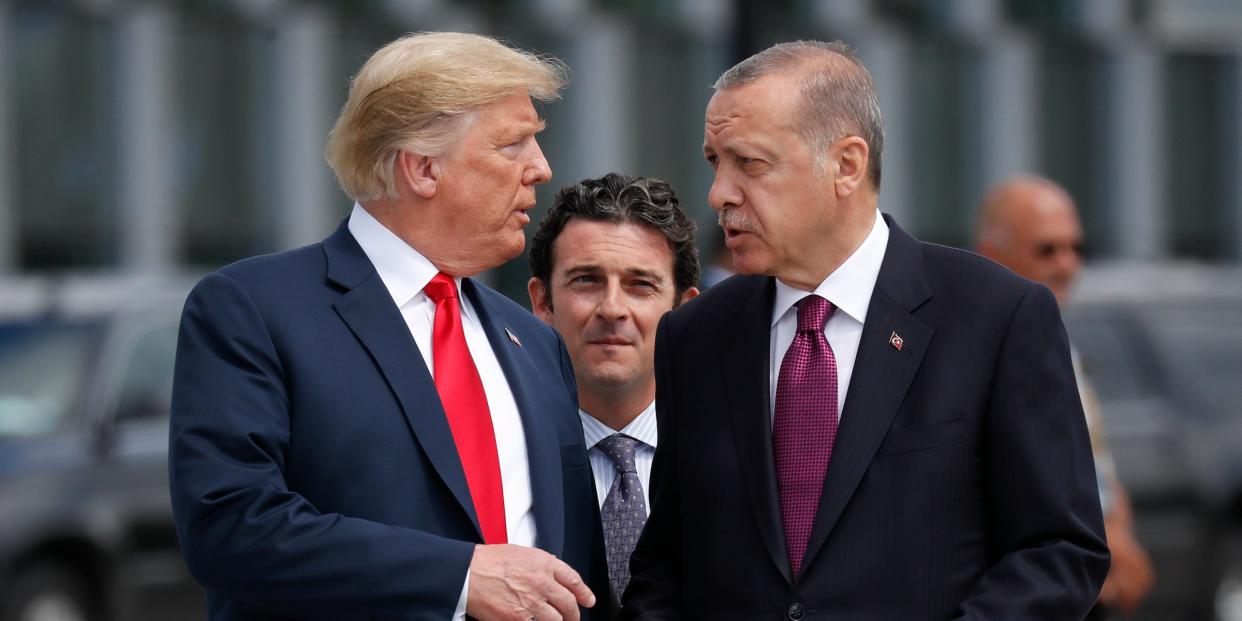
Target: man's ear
(687,295)
(850,156)
(540,299)
(419,173)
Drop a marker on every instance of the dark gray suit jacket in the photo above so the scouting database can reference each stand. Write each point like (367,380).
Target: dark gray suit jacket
(961,484)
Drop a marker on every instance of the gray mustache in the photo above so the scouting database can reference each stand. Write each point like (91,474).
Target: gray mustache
(731,219)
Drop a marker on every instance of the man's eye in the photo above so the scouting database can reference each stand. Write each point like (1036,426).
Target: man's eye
(516,143)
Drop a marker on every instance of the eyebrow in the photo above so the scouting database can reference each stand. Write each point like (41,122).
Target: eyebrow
(732,148)
(582,269)
(531,128)
(527,129)
(648,274)
(591,269)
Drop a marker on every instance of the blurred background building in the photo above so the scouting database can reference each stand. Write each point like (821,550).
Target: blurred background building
(152,135)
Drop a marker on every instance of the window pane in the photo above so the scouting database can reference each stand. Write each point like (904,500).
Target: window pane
(938,95)
(1071,125)
(66,151)
(218,168)
(145,389)
(1196,193)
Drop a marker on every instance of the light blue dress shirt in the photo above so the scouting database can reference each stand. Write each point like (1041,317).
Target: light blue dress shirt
(643,429)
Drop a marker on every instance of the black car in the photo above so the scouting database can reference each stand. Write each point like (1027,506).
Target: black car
(1163,347)
(86,530)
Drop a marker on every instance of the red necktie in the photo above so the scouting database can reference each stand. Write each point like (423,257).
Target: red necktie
(804,427)
(465,405)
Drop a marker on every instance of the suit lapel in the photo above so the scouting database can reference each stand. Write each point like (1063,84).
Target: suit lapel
(881,377)
(746,382)
(367,308)
(544,453)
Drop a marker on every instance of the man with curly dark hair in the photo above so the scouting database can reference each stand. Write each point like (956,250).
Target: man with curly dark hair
(611,257)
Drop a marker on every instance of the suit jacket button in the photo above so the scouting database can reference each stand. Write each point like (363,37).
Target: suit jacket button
(795,612)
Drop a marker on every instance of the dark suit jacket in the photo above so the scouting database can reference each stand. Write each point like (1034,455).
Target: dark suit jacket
(313,472)
(961,484)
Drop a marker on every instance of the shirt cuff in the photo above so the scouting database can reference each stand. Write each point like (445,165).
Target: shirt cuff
(460,613)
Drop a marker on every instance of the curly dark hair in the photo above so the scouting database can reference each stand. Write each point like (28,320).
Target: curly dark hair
(618,199)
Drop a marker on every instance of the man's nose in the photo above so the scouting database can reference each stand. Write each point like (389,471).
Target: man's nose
(539,171)
(612,305)
(724,193)
(1069,260)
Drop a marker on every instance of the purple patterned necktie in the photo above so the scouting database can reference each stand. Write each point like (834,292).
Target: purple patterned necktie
(804,426)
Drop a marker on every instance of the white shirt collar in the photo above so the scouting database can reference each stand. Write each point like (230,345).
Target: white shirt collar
(642,428)
(404,270)
(849,287)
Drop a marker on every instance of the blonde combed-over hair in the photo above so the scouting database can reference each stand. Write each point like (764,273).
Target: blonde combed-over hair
(418,93)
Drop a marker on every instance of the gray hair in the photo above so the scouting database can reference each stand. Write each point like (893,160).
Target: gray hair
(838,97)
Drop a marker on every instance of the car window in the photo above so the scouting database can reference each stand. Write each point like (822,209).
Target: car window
(1108,356)
(1202,346)
(144,386)
(42,370)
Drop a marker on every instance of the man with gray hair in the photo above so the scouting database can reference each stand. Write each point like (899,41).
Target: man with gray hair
(893,431)
(359,429)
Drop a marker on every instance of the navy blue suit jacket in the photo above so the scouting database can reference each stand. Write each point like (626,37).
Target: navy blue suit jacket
(961,484)
(313,472)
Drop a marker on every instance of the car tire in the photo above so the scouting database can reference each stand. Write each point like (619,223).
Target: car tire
(48,592)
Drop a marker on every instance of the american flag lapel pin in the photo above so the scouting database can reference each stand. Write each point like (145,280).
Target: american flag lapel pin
(513,337)
(895,340)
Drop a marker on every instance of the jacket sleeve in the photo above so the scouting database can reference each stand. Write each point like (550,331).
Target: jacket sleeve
(1039,478)
(244,533)
(654,592)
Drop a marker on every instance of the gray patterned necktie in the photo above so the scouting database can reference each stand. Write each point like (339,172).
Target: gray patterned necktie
(624,510)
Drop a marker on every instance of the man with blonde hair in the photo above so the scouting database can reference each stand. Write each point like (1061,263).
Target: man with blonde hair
(360,430)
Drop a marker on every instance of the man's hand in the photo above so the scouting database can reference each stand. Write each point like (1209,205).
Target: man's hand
(1131,576)
(516,583)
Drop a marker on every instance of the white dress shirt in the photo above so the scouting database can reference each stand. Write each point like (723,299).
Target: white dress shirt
(405,272)
(849,289)
(643,429)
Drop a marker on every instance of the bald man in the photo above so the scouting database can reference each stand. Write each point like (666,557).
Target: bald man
(1030,225)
